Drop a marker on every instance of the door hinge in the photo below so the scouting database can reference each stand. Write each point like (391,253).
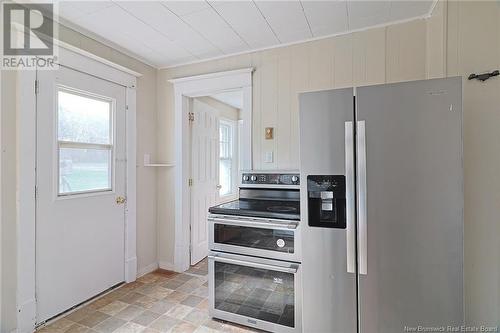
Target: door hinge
(190,182)
(36,192)
(191,116)
(37,87)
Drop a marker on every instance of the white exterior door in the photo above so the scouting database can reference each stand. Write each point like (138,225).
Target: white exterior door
(204,174)
(81,187)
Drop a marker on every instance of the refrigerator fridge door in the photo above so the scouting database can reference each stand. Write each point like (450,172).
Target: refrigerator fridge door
(326,154)
(410,205)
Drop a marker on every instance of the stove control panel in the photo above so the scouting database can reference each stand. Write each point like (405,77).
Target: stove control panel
(270,179)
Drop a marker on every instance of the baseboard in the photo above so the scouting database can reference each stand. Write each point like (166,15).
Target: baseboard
(147,269)
(26,317)
(167,266)
(131,269)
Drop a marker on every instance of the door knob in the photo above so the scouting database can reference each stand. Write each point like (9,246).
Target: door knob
(219,187)
(120,200)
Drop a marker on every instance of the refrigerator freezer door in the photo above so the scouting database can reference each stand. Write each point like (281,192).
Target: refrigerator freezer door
(412,204)
(329,293)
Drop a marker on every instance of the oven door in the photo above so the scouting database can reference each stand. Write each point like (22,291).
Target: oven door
(268,238)
(256,292)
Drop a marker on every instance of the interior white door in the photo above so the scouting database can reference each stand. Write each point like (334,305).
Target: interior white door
(81,189)
(204,174)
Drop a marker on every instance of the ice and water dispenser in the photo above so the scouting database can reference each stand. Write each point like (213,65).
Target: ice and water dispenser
(326,197)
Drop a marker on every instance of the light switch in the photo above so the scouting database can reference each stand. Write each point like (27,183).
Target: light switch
(268,157)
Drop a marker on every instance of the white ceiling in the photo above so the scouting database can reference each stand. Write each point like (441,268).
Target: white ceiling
(169,33)
(233,98)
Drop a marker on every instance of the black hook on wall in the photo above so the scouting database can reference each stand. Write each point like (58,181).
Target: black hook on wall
(484,77)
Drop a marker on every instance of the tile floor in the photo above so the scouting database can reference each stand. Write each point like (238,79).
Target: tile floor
(161,301)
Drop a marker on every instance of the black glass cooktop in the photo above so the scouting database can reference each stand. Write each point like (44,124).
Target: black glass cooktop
(289,210)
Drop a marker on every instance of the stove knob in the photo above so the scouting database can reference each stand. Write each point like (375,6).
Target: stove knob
(246,178)
(295,179)
(253,178)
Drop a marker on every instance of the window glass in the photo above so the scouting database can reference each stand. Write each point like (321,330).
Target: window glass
(225,158)
(225,141)
(225,177)
(83,119)
(85,147)
(83,170)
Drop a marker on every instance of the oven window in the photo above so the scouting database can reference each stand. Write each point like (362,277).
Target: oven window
(258,238)
(256,293)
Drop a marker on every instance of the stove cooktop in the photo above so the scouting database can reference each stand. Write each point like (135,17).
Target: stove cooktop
(288,210)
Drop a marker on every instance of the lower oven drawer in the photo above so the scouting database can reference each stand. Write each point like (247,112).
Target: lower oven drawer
(255,292)
(275,239)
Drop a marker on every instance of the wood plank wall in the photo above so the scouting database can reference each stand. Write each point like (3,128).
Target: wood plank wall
(388,54)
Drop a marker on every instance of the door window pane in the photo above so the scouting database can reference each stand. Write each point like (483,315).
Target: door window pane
(83,119)
(83,170)
(257,293)
(85,142)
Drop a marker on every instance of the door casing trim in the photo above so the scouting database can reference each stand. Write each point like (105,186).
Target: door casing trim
(80,60)
(196,86)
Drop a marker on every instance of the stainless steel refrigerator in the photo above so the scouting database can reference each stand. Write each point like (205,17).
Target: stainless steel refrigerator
(382,207)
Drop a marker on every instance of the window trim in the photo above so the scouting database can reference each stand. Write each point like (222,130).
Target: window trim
(234,147)
(59,144)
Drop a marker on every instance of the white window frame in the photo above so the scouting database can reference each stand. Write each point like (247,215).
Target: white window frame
(234,145)
(83,145)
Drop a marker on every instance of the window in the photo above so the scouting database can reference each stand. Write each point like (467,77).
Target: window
(227,166)
(85,142)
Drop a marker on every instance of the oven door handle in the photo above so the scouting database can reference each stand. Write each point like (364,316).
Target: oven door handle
(255,224)
(290,269)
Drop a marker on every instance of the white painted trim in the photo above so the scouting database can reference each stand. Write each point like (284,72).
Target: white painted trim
(131,187)
(211,75)
(194,86)
(26,180)
(167,266)
(148,269)
(431,10)
(26,135)
(89,55)
(77,59)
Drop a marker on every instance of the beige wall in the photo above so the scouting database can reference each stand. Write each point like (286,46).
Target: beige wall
(460,38)
(146,177)
(473,46)
(379,55)
(464,38)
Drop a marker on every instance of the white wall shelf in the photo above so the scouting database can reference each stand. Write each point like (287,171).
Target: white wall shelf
(147,162)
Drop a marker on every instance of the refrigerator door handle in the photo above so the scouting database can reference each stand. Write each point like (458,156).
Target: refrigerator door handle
(350,200)
(361,184)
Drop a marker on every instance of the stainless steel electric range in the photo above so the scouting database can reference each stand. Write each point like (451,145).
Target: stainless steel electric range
(255,254)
